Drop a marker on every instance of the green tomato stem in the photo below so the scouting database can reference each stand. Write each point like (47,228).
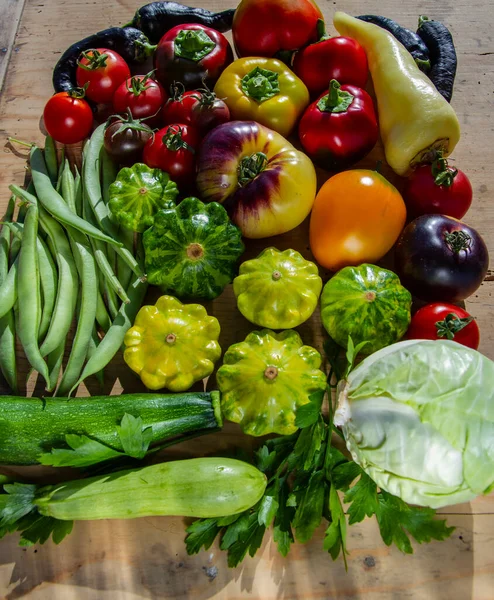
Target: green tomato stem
(250,167)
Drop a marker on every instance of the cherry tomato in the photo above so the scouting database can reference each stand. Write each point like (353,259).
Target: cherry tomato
(102,70)
(339,58)
(444,321)
(208,111)
(68,117)
(142,95)
(173,149)
(178,107)
(125,139)
(438,189)
(356,218)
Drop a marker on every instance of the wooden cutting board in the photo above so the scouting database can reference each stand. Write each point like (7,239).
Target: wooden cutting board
(146,558)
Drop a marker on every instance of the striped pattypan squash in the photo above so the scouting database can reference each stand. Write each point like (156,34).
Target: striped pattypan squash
(266,378)
(367,303)
(138,193)
(192,250)
(172,345)
(278,290)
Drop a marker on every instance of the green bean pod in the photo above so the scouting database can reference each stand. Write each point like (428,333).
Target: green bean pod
(48,277)
(49,282)
(54,361)
(87,314)
(51,159)
(8,362)
(94,197)
(67,284)
(103,262)
(93,346)
(68,187)
(102,316)
(109,172)
(78,191)
(53,202)
(114,337)
(29,303)
(8,289)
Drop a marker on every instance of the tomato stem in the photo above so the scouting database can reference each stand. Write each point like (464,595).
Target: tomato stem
(95,60)
(173,140)
(250,167)
(139,84)
(443,174)
(450,325)
(458,241)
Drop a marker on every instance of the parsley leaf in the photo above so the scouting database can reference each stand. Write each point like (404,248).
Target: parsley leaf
(134,436)
(282,531)
(395,518)
(201,534)
(310,505)
(18,502)
(309,413)
(335,535)
(363,498)
(84,451)
(36,529)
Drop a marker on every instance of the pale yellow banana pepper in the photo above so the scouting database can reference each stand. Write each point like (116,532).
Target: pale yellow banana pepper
(414,119)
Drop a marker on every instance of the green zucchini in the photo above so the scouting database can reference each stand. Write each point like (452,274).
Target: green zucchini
(30,427)
(197,487)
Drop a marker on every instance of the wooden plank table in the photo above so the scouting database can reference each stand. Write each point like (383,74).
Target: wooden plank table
(146,558)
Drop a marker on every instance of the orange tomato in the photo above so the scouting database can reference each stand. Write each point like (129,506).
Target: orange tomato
(357,217)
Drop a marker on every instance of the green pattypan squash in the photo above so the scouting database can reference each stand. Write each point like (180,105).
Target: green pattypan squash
(172,345)
(266,378)
(192,250)
(138,193)
(278,290)
(367,303)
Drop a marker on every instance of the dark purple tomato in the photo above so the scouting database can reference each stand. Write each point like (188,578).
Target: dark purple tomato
(125,139)
(439,258)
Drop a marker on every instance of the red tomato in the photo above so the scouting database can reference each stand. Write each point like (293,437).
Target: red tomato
(178,107)
(340,127)
(339,58)
(68,118)
(444,321)
(173,149)
(438,189)
(266,27)
(143,96)
(103,71)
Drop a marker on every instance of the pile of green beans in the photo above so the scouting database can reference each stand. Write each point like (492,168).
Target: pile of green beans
(64,262)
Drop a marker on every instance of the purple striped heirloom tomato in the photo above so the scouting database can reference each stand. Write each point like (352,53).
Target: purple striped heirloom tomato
(267,186)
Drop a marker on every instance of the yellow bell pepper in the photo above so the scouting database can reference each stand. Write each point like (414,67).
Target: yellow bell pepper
(172,345)
(263,90)
(414,119)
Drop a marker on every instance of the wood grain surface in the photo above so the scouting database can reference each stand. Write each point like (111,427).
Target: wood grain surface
(146,558)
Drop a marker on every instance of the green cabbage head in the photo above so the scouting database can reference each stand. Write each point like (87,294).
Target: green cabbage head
(418,417)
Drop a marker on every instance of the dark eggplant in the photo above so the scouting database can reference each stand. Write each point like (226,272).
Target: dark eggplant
(130,43)
(443,55)
(155,19)
(411,40)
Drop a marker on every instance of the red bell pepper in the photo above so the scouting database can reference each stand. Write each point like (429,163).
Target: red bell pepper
(273,27)
(340,127)
(339,58)
(193,55)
